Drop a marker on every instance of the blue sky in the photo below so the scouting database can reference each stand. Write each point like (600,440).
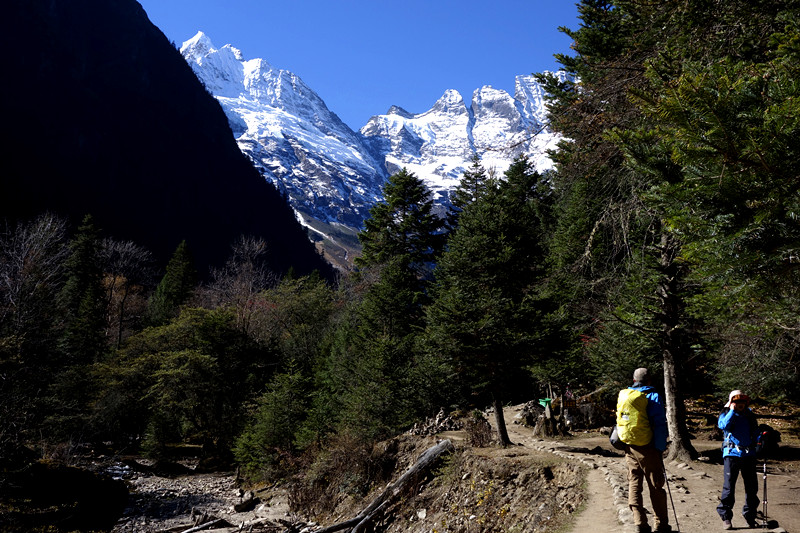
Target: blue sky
(363,56)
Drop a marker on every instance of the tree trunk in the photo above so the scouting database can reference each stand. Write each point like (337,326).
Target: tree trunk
(375,510)
(500,422)
(673,346)
(121,320)
(680,447)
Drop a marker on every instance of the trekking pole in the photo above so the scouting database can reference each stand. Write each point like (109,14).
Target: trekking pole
(764,511)
(674,512)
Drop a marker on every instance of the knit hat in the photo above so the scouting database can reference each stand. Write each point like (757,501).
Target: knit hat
(737,395)
(640,375)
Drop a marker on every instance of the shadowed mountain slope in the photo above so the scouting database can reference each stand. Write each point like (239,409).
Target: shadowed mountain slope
(102,115)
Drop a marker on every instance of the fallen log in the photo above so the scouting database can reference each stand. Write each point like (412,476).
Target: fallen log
(262,523)
(394,490)
(207,525)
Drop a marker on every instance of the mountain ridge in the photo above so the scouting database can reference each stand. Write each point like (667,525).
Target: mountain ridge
(332,174)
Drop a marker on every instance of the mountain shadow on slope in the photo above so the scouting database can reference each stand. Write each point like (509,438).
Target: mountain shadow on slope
(102,115)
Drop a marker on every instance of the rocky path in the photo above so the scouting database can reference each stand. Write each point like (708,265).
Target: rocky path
(694,488)
(599,512)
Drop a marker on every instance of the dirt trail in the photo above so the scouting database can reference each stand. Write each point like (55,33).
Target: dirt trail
(694,487)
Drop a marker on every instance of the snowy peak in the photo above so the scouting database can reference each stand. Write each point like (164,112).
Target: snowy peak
(451,103)
(197,47)
(286,129)
(497,119)
(220,70)
(397,110)
(487,101)
(530,95)
(227,74)
(200,46)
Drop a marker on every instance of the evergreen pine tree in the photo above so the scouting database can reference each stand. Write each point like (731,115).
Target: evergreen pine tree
(175,287)
(486,314)
(83,341)
(272,432)
(611,241)
(720,145)
(374,355)
(472,185)
(402,227)
(187,378)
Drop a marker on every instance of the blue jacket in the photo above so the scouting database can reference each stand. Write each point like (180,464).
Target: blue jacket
(740,432)
(656,415)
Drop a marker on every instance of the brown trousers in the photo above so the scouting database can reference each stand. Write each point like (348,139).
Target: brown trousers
(646,464)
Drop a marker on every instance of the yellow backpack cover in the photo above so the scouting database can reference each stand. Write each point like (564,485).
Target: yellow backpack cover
(633,425)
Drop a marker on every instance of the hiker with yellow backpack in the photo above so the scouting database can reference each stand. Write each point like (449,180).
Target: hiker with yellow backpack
(642,426)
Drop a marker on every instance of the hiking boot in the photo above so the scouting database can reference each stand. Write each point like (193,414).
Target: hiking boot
(751,522)
(726,524)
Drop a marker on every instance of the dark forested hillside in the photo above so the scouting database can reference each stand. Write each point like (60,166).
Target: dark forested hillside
(101,115)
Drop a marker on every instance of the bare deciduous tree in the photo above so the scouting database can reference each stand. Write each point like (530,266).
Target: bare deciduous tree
(32,256)
(32,259)
(128,270)
(244,275)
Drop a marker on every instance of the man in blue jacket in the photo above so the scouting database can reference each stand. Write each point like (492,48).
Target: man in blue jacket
(642,425)
(740,430)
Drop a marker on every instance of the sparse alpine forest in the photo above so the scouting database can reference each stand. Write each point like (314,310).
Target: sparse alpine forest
(668,236)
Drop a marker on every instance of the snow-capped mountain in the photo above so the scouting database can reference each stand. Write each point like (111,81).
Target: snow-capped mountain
(334,175)
(438,145)
(325,167)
